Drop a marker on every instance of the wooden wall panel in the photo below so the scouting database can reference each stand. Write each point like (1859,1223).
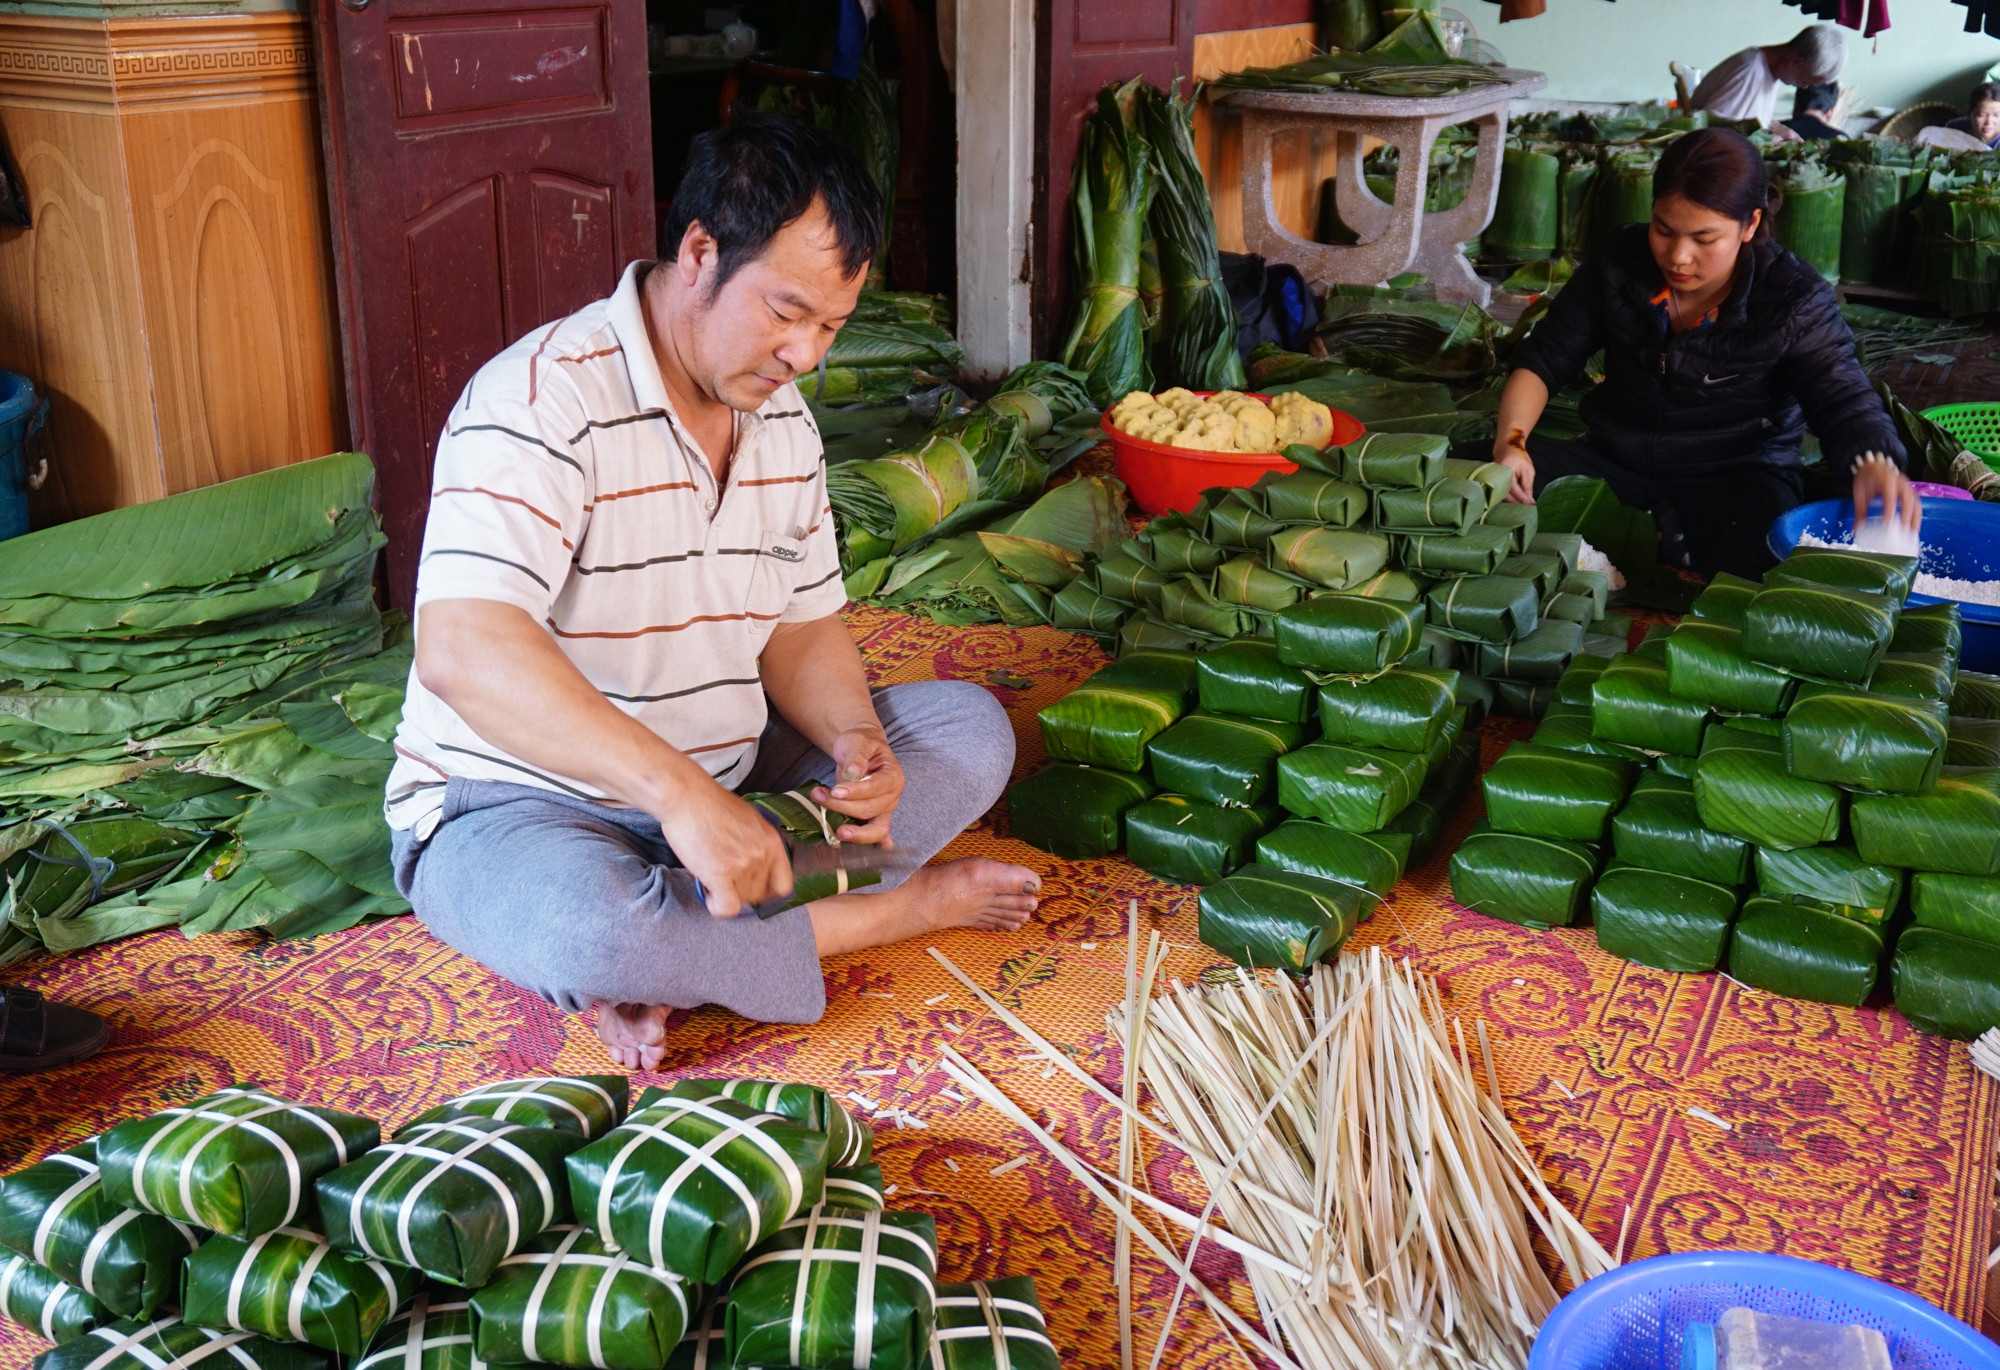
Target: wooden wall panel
(1298,164)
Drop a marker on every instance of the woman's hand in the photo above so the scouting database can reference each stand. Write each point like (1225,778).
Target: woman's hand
(1876,477)
(1516,459)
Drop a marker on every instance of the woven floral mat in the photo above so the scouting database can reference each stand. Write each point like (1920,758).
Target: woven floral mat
(1850,1138)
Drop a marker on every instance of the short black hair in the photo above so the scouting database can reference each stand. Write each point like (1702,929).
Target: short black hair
(1810,99)
(747,180)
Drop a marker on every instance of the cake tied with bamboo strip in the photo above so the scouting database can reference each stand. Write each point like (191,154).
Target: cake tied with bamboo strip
(830,1290)
(55,1310)
(849,1142)
(567,1299)
(992,1325)
(289,1284)
(433,1333)
(57,1214)
(587,1105)
(170,1344)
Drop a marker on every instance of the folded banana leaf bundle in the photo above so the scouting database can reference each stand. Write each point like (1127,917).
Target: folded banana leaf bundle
(690,1186)
(1544,792)
(565,1298)
(1403,709)
(1543,570)
(1189,603)
(433,1333)
(1246,678)
(1976,695)
(1972,742)
(1564,547)
(1520,520)
(1741,787)
(832,1289)
(170,1344)
(57,1214)
(1156,668)
(1130,575)
(1726,599)
(1187,842)
(1808,223)
(849,1142)
(1916,675)
(1660,829)
(1864,741)
(587,1105)
(1832,634)
(1632,702)
(1543,653)
(1967,905)
(1197,348)
(1076,812)
(1336,559)
(1946,984)
(1184,551)
(1846,568)
(1804,953)
(1437,651)
(1954,827)
(1576,609)
(1144,630)
(291,1285)
(1929,628)
(1478,552)
(1834,875)
(1567,727)
(1348,634)
(239,1162)
(1490,476)
(1497,608)
(1366,861)
(1107,725)
(992,1325)
(1706,663)
(1664,919)
(1356,788)
(1265,916)
(1538,882)
(1309,497)
(32,1296)
(1082,607)
(1220,758)
(1409,460)
(1245,580)
(1241,518)
(1443,506)
(1109,198)
(1423,821)
(1521,698)
(1594,586)
(1574,686)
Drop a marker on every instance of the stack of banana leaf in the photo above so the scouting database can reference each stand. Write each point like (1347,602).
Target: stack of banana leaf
(892,345)
(1957,256)
(1811,220)
(1885,179)
(1412,59)
(1403,336)
(197,701)
(1381,404)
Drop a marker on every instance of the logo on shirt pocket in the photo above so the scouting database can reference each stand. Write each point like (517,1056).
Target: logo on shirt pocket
(788,552)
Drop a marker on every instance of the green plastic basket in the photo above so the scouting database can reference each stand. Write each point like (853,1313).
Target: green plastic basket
(1976,425)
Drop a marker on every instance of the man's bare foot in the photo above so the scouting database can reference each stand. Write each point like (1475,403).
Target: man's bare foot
(634,1034)
(972,893)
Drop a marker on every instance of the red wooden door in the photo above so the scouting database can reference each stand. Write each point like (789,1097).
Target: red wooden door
(489,166)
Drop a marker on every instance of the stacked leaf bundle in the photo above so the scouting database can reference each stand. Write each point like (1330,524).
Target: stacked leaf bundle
(524,1221)
(892,344)
(153,657)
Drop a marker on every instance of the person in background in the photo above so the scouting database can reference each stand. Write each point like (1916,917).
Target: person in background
(1982,114)
(1720,349)
(1746,86)
(1812,113)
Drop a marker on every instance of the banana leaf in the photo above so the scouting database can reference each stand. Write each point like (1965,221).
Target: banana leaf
(1576,609)
(1804,953)
(904,496)
(1664,919)
(1929,628)
(1864,742)
(1976,695)
(1107,725)
(1523,227)
(1834,875)
(1328,557)
(881,342)
(1594,586)
(1355,788)
(690,1186)
(1436,650)
(1567,728)
(1455,724)
(1189,603)
(1247,581)
(1565,547)
(1308,497)
(1809,221)
(1967,905)
(1397,585)
(1574,685)
(1653,646)
(1916,675)
(1220,759)
(1142,631)
(170,1344)
(1955,827)
(1660,829)
(238,1162)
(1726,599)
(1845,568)
(1537,882)
(1445,505)
(290,1285)
(430,1334)
(1542,654)
(567,1299)
(1706,664)
(1246,677)
(832,1289)
(1128,574)
(1972,742)
(1881,193)
(1383,405)
(1632,703)
(706,1346)
(1521,520)
(1585,507)
(1521,698)
(33,1297)
(849,1142)
(1085,515)
(1241,518)
(1741,787)
(1348,634)
(1404,709)
(1947,984)
(1266,916)
(1081,607)
(1490,476)
(1832,634)
(845,385)
(1199,349)
(1110,195)
(1423,821)
(1545,792)
(1187,842)
(1157,669)
(992,1325)
(1371,862)
(1183,551)
(56,1214)
(1476,553)
(1410,460)
(1076,812)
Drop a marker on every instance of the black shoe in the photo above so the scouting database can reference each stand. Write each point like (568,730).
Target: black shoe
(38,1035)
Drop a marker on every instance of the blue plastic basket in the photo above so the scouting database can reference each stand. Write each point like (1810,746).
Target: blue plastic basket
(1961,540)
(1635,1317)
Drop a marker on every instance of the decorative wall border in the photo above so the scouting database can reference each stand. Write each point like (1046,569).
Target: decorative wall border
(153,62)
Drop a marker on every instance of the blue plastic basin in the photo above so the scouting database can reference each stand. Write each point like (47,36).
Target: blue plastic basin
(1961,540)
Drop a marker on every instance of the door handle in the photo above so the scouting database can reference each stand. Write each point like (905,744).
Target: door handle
(354,6)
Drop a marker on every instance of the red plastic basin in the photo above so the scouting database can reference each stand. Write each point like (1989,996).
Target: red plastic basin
(1166,479)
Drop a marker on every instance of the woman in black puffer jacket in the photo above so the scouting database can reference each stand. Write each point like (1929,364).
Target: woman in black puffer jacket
(1720,349)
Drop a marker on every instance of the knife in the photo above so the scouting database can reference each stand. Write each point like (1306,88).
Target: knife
(817,858)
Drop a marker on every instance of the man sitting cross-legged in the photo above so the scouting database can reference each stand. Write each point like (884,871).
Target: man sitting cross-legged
(628,612)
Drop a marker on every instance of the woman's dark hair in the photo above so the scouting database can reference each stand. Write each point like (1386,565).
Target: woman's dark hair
(747,180)
(1719,169)
(1811,99)
(1986,92)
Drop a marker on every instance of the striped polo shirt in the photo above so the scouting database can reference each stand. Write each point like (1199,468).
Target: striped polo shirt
(565,485)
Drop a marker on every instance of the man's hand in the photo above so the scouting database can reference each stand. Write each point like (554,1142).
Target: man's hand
(867,784)
(728,846)
(1517,460)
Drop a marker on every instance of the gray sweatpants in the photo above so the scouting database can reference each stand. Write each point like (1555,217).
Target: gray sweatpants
(581,902)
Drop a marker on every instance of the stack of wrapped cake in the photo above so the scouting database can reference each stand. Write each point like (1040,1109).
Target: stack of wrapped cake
(723,1223)
(1784,782)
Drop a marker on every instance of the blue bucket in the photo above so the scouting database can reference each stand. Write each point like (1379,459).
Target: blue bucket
(1635,1317)
(1961,541)
(21,416)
